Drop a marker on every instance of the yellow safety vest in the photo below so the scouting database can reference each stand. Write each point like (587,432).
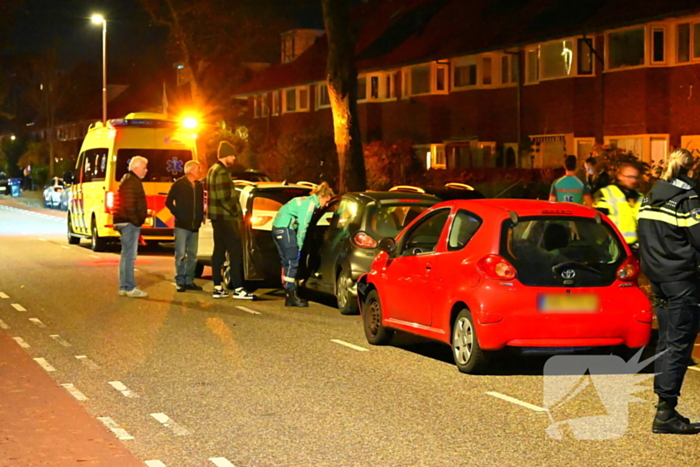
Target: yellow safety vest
(623,213)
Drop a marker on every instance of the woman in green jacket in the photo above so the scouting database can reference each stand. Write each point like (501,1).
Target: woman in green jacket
(288,232)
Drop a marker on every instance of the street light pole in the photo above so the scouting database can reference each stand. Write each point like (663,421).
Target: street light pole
(97,19)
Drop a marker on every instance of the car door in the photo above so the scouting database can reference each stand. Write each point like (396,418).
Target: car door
(318,246)
(407,289)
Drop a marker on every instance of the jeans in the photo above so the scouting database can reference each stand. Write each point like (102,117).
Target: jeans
(227,238)
(678,315)
(130,246)
(186,242)
(286,241)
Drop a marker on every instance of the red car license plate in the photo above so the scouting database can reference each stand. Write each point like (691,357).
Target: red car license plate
(568,303)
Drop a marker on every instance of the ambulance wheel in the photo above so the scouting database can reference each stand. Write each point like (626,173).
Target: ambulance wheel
(72,239)
(375,332)
(467,353)
(97,243)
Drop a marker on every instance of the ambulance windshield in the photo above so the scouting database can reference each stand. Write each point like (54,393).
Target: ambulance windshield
(164,165)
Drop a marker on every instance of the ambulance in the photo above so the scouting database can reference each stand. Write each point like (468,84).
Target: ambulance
(104,159)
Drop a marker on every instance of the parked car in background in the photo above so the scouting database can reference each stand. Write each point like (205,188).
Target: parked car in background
(4,184)
(250,175)
(342,240)
(481,275)
(260,202)
(53,192)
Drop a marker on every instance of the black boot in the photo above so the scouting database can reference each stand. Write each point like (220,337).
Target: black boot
(668,421)
(294,300)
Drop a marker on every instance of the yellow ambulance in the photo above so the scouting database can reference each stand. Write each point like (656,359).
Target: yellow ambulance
(104,159)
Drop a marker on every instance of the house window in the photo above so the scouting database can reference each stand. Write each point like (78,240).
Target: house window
(557,59)
(361,88)
(683,43)
(276,103)
(296,99)
(658,42)
(585,57)
(464,72)
(431,155)
(696,40)
(290,104)
(390,87)
(380,86)
(486,71)
(505,69)
(374,87)
(626,48)
(533,65)
(430,78)
(420,80)
(323,99)
(303,98)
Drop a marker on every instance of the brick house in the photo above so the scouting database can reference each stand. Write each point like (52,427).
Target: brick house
(494,83)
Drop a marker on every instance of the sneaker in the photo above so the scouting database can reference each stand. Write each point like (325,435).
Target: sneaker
(122,293)
(136,293)
(219,292)
(241,294)
(193,286)
(181,288)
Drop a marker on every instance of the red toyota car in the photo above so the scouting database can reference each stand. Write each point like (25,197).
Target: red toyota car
(481,275)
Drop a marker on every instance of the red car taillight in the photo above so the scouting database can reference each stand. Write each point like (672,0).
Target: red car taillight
(629,270)
(109,202)
(363,240)
(496,267)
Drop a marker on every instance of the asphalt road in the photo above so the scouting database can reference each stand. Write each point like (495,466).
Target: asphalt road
(187,380)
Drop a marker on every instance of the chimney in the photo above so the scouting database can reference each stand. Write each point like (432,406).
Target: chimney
(296,41)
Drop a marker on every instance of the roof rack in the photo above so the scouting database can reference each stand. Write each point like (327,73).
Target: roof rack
(459,186)
(407,189)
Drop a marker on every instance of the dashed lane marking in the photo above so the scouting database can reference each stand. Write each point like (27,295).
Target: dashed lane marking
(248,310)
(60,340)
(4,295)
(168,422)
(221,462)
(516,401)
(37,322)
(75,392)
(126,392)
(44,364)
(694,368)
(348,344)
(65,247)
(18,307)
(87,362)
(118,431)
(3,325)
(155,463)
(21,342)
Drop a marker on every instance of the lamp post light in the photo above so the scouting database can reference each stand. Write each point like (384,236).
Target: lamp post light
(97,19)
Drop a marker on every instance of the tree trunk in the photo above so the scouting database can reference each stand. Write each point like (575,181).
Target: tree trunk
(342,91)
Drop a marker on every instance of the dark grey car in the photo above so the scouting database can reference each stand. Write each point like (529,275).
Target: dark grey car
(342,240)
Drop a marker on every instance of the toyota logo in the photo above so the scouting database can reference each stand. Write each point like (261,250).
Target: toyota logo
(568,274)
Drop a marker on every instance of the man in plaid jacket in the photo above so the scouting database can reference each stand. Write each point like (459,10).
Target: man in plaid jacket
(224,211)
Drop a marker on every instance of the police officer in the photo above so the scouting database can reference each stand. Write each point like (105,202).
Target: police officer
(669,240)
(621,201)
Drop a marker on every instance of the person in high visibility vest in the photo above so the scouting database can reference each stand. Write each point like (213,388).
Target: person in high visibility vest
(621,201)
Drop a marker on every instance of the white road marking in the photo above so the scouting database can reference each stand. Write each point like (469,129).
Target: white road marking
(44,364)
(167,422)
(65,247)
(221,462)
(21,342)
(94,256)
(126,392)
(38,322)
(119,432)
(3,295)
(248,310)
(41,239)
(74,392)
(155,463)
(516,401)
(18,307)
(696,368)
(3,325)
(60,340)
(88,363)
(348,344)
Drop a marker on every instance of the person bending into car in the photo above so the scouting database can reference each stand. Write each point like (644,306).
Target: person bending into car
(288,231)
(128,219)
(224,211)
(669,241)
(186,202)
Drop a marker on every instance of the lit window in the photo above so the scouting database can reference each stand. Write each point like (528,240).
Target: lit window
(556,59)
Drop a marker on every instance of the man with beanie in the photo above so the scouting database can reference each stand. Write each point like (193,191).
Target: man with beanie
(224,211)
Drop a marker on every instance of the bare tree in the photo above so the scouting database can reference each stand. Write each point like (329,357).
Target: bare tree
(342,91)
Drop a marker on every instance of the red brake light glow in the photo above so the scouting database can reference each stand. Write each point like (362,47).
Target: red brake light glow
(496,267)
(109,202)
(628,270)
(363,240)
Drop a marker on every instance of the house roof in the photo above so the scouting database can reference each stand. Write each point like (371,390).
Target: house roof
(394,33)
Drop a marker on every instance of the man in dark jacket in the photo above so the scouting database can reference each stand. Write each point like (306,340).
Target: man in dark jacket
(669,241)
(186,202)
(130,216)
(224,211)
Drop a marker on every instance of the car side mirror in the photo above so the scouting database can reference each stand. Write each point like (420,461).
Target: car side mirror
(387,244)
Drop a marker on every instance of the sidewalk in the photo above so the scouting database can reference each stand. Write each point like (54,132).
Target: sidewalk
(31,198)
